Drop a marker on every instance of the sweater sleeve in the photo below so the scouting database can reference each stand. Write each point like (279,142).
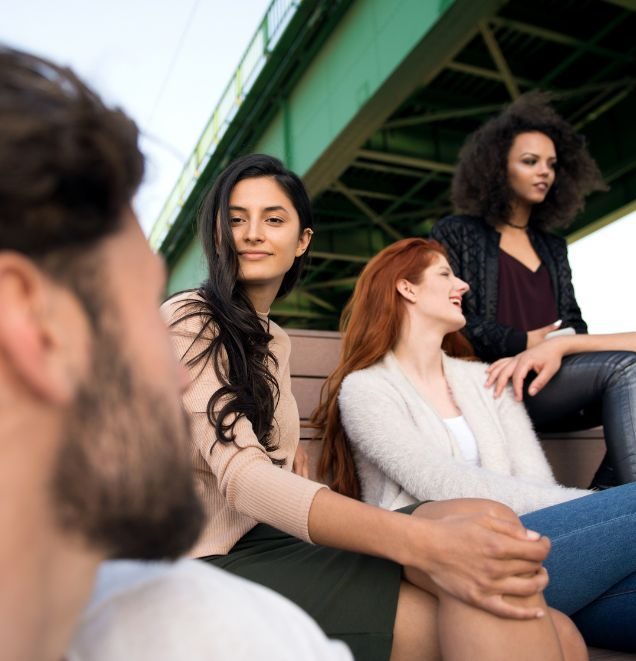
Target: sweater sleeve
(466,247)
(380,428)
(246,477)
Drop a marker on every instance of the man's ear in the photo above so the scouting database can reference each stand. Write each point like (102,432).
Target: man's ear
(405,289)
(34,341)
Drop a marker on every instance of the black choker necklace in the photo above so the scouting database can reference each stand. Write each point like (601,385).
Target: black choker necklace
(517,227)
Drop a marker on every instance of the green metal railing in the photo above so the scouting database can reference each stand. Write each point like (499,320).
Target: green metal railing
(276,19)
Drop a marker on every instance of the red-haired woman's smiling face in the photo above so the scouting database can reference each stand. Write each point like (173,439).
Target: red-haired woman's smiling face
(438,295)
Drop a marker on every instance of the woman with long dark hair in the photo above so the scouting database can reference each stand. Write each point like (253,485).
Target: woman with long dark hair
(404,421)
(523,174)
(457,580)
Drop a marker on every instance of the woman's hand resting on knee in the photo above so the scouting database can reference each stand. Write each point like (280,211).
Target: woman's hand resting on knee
(475,550)
(480,558)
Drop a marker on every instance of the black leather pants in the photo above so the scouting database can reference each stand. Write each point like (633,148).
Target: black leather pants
(592,389)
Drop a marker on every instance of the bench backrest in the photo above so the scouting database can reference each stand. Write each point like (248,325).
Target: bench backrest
(314,356)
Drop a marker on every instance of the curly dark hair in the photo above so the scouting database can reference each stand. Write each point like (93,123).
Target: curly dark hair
(239,350)
(480,185)
(69,165)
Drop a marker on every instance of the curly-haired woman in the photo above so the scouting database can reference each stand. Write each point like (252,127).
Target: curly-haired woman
(522,174)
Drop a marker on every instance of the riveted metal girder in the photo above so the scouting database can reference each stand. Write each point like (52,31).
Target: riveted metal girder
(373,108)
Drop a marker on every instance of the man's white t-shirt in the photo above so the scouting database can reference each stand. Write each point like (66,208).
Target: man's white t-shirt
(190,611)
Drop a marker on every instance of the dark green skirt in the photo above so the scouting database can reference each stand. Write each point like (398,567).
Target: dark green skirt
(353,597)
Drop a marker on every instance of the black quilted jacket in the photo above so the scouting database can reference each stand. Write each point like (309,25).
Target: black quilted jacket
(473,250)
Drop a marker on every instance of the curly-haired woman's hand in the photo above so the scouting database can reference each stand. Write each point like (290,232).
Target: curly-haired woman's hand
(544,359)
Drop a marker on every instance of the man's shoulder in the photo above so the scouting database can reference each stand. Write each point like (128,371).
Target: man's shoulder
(194,608)
(134,582)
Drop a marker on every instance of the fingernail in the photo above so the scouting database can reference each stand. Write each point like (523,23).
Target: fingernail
(540,614)
(532,391)
(558,322)
(533,534)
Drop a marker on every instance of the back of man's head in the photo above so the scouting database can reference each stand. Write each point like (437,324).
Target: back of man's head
(69,165)
(95,353)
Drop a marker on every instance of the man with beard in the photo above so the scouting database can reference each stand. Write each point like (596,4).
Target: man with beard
(93,440)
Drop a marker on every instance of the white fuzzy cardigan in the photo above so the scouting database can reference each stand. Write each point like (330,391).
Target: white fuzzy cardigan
(405,453)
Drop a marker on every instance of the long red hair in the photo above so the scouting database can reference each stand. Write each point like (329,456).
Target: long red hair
(370,325)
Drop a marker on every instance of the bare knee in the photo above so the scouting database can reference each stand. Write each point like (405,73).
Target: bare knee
(499,510)
(415,634)
(459,506)
(572,643)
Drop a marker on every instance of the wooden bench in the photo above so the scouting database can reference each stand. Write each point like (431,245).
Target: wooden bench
(574,457)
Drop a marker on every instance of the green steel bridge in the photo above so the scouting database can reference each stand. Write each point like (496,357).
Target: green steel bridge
(370,101)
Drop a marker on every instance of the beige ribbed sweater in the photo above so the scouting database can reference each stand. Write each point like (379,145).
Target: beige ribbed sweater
(237,482)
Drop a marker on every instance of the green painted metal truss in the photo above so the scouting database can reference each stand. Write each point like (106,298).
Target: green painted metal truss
(391,176)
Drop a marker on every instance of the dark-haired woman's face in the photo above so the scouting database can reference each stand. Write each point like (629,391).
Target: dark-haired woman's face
(267,234)
(531,167)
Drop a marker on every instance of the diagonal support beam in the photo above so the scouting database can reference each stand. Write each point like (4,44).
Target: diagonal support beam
(374,195)
(386,169)
(499,59)
(597,112)
(491,74)
(340,257)
(442,115)
(584,48)
(456,113)
(366,210)
(409,193)
(556,37)
(412,161)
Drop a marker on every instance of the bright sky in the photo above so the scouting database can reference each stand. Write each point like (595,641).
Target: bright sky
(604,273)
(167,62)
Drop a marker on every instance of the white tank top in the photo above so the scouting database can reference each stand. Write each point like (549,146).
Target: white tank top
(464,438)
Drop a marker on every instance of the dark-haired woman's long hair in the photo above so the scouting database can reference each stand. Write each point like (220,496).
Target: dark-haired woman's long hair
(238,348)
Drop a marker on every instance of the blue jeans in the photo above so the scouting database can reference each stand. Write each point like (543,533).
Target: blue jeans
(592,565)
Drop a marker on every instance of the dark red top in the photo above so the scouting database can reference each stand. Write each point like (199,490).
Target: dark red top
(526,298)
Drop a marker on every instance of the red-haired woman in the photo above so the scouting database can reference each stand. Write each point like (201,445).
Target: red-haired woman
(402,421)
(521,175)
